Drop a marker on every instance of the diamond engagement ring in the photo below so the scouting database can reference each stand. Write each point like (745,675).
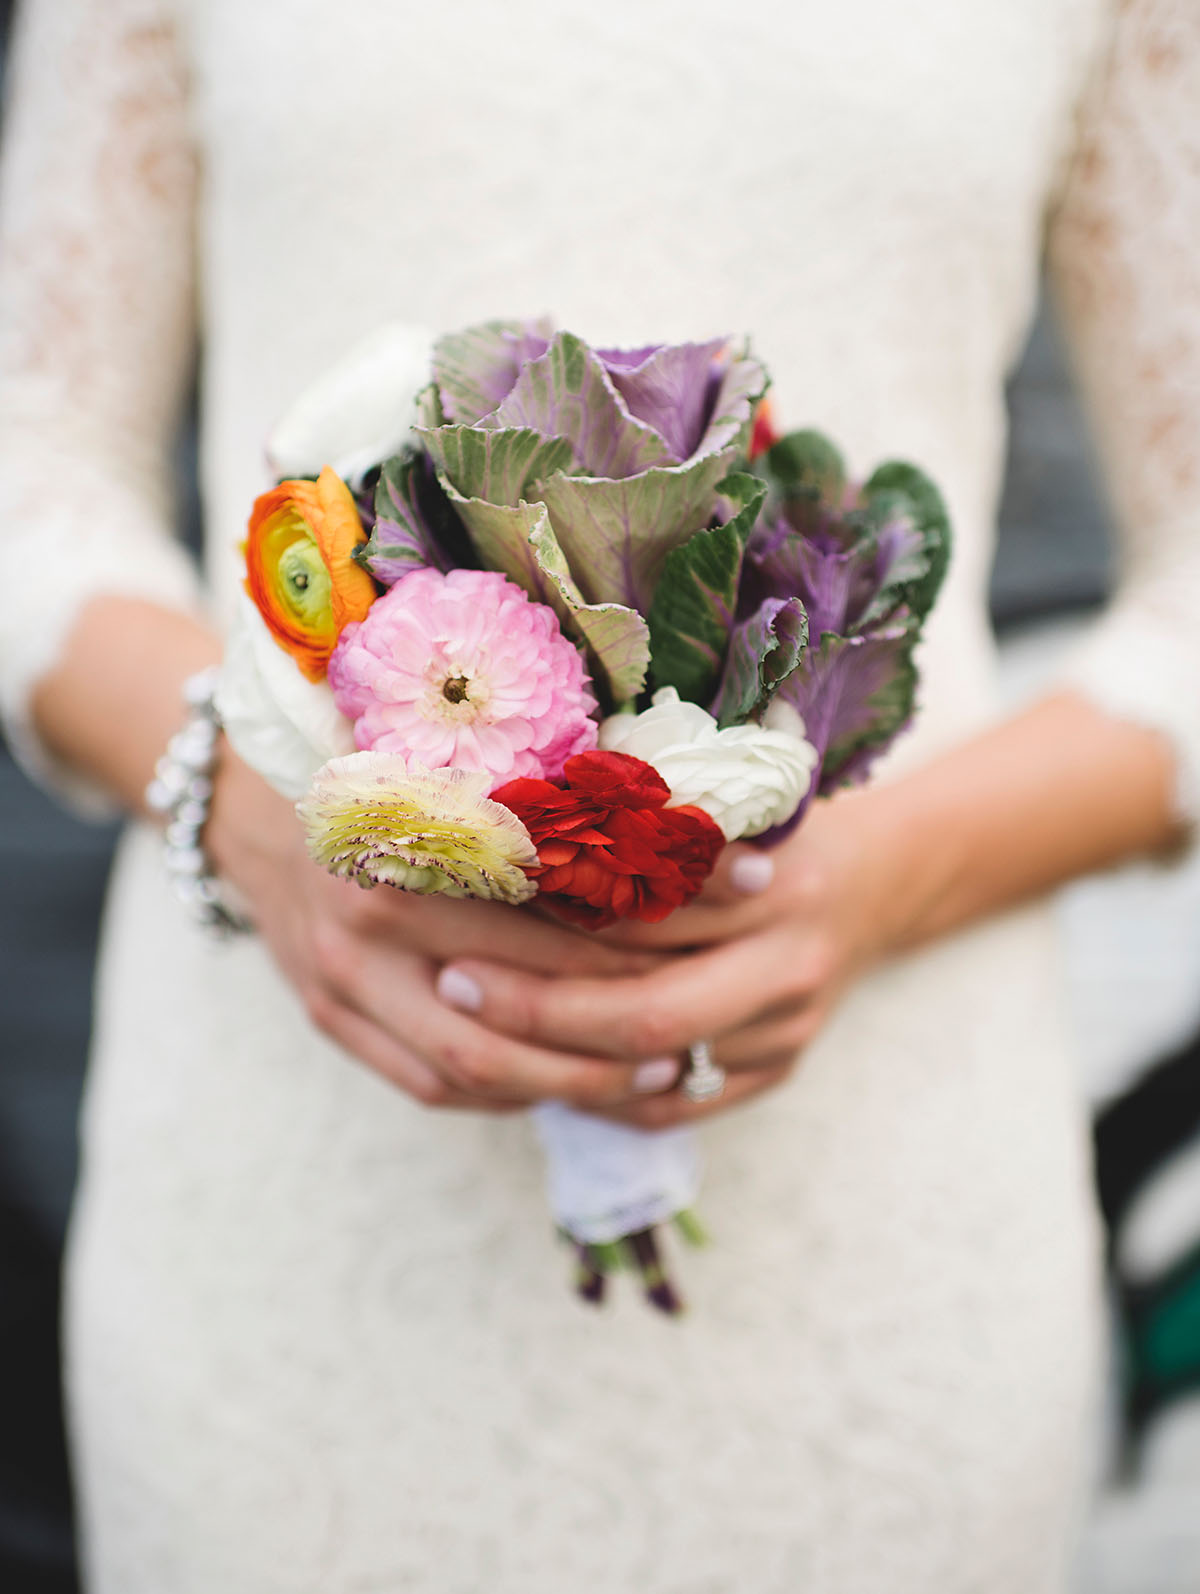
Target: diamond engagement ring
(703,1079)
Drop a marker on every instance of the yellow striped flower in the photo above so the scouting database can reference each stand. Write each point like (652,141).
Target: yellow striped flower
(373,818)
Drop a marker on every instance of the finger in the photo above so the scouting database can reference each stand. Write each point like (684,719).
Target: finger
(673,1109)
(733,902)
(653,1015)
(478,1061)
(529,940)
(369,1044)
(786,1035)
(782,1029)
(442,928)
(741,871)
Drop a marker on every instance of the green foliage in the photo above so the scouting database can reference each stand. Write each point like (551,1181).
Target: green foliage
(695,601)
(805,464)
(499,465)
(899,488)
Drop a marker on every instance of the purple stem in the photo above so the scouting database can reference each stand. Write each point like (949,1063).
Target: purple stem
(660,1292)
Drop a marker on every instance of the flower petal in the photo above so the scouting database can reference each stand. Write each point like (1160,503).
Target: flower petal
(371,817)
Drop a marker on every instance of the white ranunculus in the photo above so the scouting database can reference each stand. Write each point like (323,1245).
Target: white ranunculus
(359,413)
(748,778)
(282,724)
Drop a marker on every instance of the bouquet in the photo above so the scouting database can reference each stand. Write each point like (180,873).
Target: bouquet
(531,621)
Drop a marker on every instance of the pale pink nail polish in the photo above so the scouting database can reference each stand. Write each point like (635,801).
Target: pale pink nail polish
(459,990)
(752,872)
(660,1074)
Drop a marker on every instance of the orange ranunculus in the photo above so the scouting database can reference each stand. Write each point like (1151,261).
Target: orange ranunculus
(300,570)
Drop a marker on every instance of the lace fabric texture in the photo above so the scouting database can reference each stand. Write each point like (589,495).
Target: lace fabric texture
(96,332)
(1123,256)
(319,1339)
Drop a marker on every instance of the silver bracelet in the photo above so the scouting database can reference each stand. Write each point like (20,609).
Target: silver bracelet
(181,792)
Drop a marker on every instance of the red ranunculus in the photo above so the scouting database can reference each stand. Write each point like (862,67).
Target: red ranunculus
(608,847)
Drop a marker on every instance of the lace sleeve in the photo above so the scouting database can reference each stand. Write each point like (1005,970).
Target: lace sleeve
(1125,258)
(96,332)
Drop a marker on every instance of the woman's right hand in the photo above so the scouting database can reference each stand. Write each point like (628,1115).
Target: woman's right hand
(365,963)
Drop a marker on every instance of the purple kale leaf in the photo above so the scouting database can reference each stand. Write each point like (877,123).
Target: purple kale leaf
(633,443)
(412,523)
(866,565)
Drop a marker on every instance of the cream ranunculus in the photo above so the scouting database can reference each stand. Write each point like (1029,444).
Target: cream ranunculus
(359,413)
(282,725)
(377,819)
(748,778)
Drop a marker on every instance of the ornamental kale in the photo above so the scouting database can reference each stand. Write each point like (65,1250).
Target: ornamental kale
(575,471)
(613,486)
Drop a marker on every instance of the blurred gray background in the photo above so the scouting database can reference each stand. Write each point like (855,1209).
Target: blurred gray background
(1134,943)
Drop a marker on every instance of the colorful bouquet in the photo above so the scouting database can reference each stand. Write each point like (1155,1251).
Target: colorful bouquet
(529,620)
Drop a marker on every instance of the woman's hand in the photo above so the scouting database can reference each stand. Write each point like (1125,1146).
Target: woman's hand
(760,960)
(1054,793)
(364,964)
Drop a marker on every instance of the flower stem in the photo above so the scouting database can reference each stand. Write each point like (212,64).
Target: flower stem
(691,1228)
(660,1292)
(640,1253)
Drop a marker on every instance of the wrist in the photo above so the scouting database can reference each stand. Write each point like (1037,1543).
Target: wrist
(249,822)
(101,710)
(906,860)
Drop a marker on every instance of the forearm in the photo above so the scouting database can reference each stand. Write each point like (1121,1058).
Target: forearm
(1058,792)
(113,698)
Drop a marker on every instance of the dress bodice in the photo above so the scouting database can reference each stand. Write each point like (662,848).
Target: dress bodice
(863,189)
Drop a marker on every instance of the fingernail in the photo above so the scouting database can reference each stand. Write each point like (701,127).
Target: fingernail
(459,990)
(752,872)
(661,1074)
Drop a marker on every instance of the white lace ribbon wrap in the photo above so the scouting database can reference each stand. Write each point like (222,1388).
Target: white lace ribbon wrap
(607,1180)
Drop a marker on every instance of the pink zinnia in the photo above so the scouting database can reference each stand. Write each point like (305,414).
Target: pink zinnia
(463,670)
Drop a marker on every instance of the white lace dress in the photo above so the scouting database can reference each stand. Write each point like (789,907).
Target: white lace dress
(320,1339)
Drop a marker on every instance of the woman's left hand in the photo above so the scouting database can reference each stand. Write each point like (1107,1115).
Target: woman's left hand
(764,953)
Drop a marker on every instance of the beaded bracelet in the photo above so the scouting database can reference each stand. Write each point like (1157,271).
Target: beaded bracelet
(181,792)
